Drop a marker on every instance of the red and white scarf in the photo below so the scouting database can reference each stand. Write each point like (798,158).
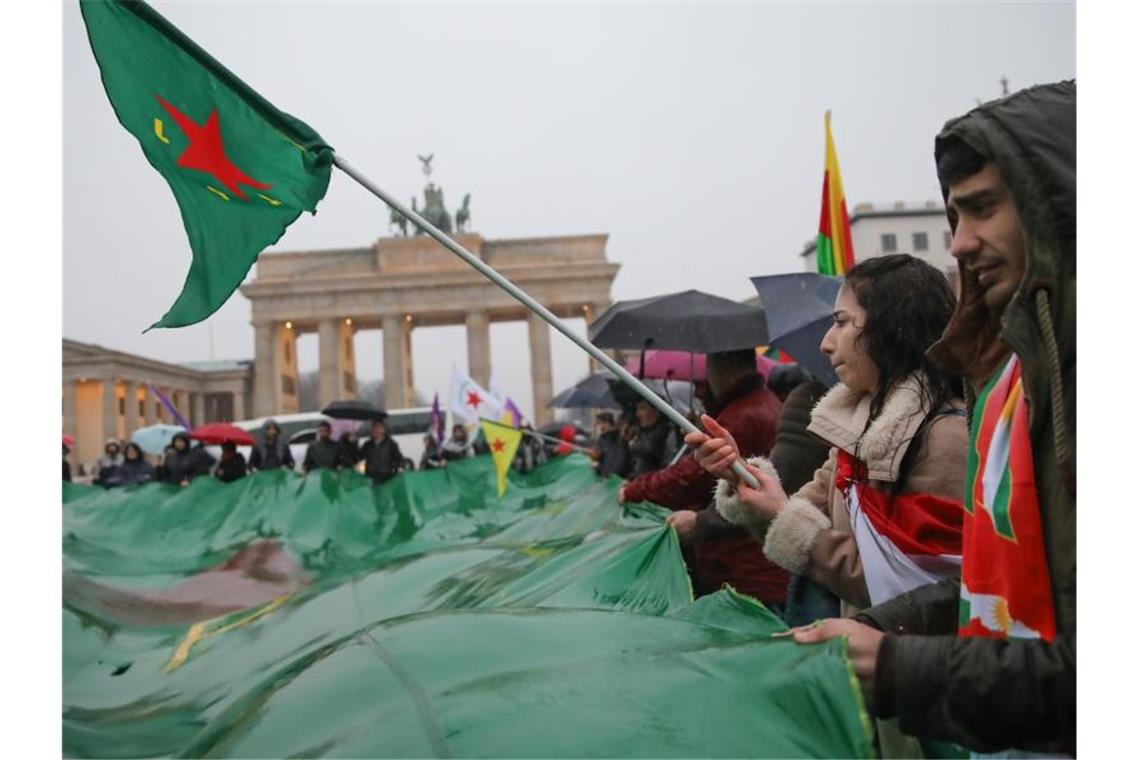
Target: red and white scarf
(905,540)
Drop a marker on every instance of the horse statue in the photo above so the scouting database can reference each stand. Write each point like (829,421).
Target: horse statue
(463,215)
(396,220)
(434,210)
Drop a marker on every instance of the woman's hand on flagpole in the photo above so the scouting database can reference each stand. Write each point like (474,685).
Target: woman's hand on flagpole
(765,501)
(716,450)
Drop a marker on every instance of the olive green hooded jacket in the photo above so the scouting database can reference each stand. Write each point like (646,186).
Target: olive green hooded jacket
(983,693)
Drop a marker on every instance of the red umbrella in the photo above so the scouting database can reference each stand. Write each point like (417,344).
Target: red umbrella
(675,365)
(68,440)
(220,432)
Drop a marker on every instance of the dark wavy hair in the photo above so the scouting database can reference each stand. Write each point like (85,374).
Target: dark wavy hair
(908,304)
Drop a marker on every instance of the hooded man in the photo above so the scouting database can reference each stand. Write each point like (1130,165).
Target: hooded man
(990,662)
(272,452)
(185,463)
(108,465)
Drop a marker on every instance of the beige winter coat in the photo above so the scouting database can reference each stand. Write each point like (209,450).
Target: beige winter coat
(812,535)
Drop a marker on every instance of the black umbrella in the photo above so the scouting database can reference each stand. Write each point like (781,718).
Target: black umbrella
(688,321)
(354,409)
(677,393)
(799,308)
(592,393)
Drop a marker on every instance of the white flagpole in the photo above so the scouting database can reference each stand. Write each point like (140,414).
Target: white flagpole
(520,295)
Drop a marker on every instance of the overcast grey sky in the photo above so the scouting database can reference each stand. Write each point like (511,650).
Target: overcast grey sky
(692,134)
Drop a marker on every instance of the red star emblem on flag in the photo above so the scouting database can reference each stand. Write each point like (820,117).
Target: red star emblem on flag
(473,399)
(206,153)
(498,445)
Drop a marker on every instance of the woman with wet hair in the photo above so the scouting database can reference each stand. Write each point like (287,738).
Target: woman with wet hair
(883,514)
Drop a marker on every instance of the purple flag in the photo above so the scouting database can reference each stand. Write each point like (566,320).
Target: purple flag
(516,413)
(170,407)
(435,427)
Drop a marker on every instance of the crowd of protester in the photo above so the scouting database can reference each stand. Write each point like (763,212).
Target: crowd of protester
(958,602)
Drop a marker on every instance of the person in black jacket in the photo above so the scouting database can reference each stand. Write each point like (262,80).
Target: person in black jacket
(323,453)
(381,455)
(232,465)
(272,452)
(611,452)
(184,464)
(350,450)
(796,455)
(134,470)
(433,455)
(108,465)
(653,447)
(66,466)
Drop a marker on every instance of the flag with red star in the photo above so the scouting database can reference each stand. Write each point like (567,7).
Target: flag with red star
(504,442)
(241,171)
(469,402)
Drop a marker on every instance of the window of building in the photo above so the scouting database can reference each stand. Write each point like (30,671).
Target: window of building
(920,242)
(122,405)
(946,238)
(889,243)
(142,408)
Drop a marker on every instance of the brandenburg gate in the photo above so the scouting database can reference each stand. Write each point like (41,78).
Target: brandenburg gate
(401,283)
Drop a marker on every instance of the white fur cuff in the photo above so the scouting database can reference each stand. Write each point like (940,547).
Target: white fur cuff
(792,533)
(727,499)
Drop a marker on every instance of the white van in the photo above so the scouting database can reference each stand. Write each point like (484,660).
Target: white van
(405,426)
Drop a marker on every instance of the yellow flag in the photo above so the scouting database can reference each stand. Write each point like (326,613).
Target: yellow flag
(504,442)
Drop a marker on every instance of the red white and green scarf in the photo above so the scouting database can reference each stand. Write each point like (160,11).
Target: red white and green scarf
(1005,579)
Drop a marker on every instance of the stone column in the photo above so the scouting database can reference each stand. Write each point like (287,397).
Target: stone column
(288,389)
(71,423)
(395,375)
(132,406)
(264,369)
(479,347)
(177,402)
(409,367)
(198,402)
(329,370)
(240,412)
(347,379)
(70,414)
(541,377)
(110,411)
(590,312)
(148,404)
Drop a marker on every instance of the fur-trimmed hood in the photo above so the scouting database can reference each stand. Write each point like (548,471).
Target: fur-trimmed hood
(841,415)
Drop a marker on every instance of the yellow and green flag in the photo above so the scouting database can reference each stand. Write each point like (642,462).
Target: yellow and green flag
(833,251)
(504,442)
(241,170)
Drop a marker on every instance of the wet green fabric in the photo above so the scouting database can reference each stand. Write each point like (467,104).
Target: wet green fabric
(440,622)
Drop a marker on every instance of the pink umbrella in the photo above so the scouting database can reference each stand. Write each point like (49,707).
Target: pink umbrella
(681,365)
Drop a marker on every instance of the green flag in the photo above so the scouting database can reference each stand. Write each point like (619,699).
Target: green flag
(322,616)
(241,170)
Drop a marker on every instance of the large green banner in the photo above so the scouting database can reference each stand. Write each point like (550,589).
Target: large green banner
(281,616)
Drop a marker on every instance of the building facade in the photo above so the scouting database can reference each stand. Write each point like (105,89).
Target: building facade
(918,229)
(110,394)
(401,283)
